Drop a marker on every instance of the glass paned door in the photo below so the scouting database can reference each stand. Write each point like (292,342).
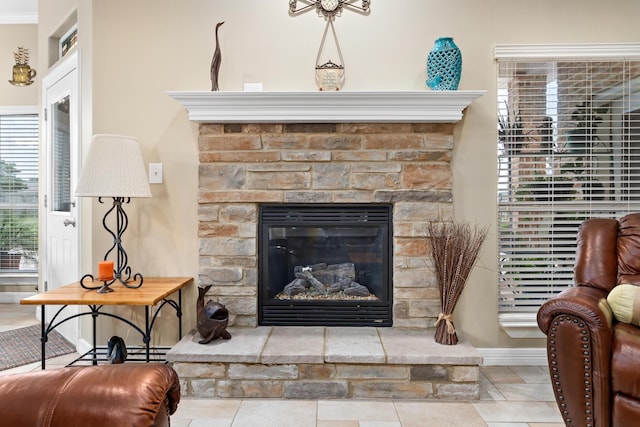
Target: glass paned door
(61,157)
(61,254)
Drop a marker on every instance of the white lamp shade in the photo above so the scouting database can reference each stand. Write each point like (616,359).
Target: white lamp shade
(114,168)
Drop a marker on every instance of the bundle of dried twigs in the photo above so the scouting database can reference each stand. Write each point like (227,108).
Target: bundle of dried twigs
(454,248)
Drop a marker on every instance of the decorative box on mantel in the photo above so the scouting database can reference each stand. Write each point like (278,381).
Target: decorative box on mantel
(327,107)
(391,150)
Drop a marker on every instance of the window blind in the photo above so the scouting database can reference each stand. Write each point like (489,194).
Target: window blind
(568,150)
(18,191)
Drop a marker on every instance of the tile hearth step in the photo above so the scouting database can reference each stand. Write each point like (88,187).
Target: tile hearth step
(327,363)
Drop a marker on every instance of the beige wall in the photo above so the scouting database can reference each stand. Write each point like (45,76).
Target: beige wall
(140,49)
(12,36)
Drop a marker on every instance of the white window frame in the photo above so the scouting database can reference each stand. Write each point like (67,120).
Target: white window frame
(19,277)
(524,324)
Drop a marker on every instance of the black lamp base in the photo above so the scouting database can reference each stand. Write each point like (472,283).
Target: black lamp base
(122,272)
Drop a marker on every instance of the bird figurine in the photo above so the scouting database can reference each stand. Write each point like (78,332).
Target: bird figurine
(216,61)
(116,350)
(213,318)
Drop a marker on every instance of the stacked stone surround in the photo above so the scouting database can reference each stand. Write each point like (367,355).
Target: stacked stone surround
(244,165)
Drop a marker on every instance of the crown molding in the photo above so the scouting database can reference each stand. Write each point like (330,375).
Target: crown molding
(326,107)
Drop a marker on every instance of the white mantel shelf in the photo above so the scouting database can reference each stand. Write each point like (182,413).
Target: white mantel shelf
(326,107)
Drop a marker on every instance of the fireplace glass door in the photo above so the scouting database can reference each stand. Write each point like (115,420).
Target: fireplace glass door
(325,265)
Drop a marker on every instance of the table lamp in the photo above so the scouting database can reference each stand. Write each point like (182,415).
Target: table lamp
(114,169)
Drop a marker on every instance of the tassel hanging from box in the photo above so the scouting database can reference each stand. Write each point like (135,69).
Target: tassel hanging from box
(329,76)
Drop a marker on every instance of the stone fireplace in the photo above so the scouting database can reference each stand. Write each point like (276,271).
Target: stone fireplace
(303,193)
(322,149)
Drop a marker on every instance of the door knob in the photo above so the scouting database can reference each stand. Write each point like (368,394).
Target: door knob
(71,222)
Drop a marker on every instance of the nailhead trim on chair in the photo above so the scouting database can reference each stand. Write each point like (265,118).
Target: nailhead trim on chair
(586,352)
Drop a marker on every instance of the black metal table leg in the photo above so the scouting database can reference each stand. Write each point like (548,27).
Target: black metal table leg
(43,336)
(179,314)
(94,317)
(147,337)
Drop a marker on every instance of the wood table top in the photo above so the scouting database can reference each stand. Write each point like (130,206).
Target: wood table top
(152,291)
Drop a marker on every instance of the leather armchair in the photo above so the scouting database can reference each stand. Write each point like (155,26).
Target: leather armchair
(99,396)
(594,361)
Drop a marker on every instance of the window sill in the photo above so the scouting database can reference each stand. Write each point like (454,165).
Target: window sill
(18,278)
(520,325)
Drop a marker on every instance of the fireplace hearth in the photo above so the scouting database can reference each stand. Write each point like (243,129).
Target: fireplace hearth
(325,265)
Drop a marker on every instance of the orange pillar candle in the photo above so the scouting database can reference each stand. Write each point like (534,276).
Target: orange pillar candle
(105,270)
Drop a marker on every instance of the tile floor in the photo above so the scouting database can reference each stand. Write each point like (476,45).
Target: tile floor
(515,396)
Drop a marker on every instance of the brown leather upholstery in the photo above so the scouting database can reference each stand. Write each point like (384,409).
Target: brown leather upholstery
(594,361)
(106,395)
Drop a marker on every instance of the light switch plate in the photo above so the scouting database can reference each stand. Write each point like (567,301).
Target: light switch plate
(155,173)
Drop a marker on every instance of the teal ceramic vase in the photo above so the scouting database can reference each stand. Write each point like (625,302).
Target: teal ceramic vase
(444,65)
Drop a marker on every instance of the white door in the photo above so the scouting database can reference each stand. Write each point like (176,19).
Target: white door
(60,171)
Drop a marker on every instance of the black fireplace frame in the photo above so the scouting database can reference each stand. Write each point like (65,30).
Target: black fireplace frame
(334,312)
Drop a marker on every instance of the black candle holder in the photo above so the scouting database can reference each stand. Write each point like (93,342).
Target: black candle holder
(104,289)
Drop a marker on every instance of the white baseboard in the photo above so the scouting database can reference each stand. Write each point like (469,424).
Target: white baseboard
(14,297)
(514,356)
(83,346)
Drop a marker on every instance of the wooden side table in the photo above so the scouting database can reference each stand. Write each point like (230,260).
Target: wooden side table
(154,290)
